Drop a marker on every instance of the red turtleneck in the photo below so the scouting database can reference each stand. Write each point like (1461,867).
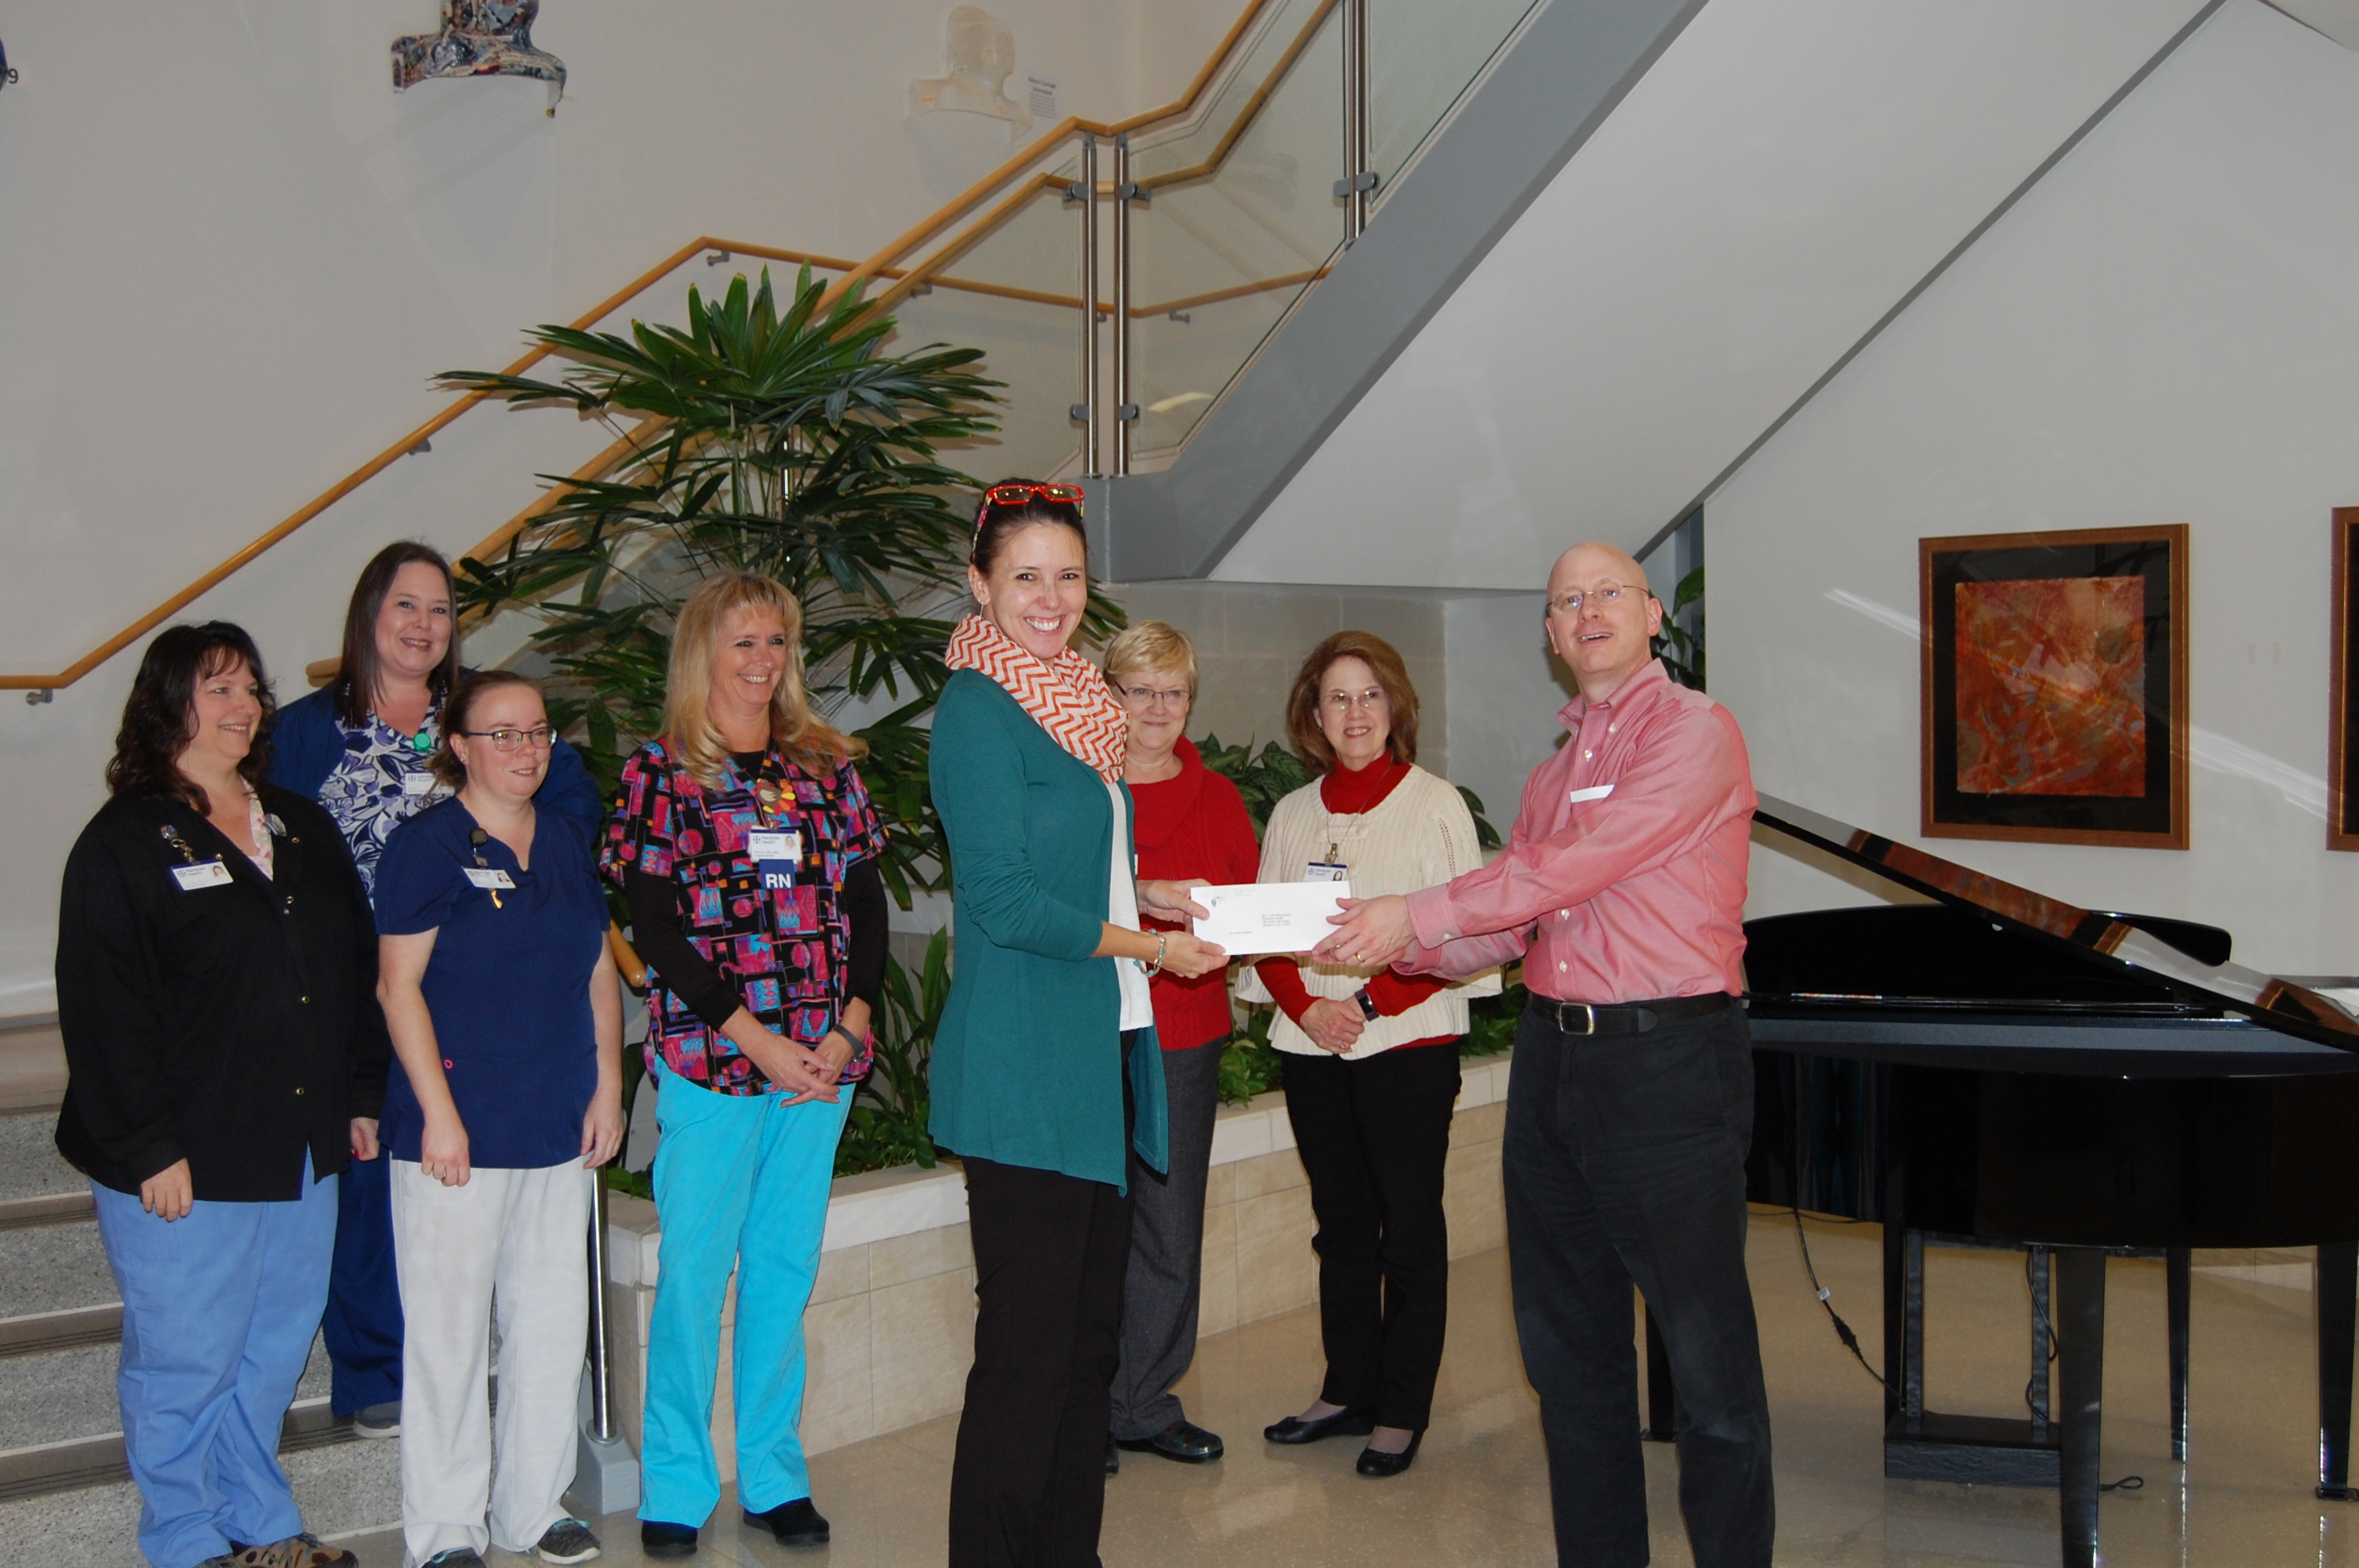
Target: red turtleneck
(1192,827)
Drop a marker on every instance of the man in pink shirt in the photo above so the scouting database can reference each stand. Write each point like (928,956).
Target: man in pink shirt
(1630,1107)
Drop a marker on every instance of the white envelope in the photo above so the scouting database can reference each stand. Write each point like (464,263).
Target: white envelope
(1268,917)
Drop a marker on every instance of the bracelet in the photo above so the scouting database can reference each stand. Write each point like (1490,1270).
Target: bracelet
(1162,946)
(848,1040)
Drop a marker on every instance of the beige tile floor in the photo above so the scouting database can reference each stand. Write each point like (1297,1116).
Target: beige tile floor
(1478,1495)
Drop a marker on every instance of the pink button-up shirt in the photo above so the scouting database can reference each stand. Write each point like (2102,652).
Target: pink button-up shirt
(1624,878)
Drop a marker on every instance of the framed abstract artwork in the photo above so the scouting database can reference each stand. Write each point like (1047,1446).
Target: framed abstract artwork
(2343,722)
(2055,687)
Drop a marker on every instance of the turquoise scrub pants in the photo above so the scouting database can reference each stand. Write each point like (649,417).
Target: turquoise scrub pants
(742,1183)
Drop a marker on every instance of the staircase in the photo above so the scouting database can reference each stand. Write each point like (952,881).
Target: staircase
(66,1497)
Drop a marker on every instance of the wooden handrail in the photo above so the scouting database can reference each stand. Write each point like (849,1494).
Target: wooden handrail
(903,281)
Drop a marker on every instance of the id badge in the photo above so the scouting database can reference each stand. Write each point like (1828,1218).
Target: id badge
(417,782)
(203,874)
(1327,871)
(489,877)
(775,852)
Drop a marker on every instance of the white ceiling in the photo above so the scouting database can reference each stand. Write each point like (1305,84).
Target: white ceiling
(1779,180)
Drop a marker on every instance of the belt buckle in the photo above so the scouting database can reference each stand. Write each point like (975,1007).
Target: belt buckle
(1589,1015)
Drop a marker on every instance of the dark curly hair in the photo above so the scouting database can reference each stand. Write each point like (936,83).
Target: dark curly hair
(161,717)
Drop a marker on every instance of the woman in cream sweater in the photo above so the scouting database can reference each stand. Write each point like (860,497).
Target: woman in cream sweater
(1371,1056)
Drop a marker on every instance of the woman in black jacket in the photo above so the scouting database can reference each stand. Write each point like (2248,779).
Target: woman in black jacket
(216,974)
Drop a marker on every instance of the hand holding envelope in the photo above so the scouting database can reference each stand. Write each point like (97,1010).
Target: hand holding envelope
(1268,917)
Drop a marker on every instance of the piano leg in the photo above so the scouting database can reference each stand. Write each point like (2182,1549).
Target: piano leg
(2043,1309)
(1662,1402)
(2080,1347)
(2177,1278)
(2338,1278)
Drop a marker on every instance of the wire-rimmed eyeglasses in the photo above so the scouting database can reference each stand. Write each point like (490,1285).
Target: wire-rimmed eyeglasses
(541,736)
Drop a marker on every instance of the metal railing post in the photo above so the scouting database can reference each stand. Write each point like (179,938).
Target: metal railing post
(1125,412)
(1359,181)
(601,1403)
(1084,192)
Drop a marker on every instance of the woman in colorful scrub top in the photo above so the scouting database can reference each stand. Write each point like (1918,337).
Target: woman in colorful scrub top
(747,847)
(362,747)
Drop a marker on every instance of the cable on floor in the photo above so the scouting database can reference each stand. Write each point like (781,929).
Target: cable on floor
(1826,1299)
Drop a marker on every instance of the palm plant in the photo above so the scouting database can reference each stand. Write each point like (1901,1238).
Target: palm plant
(784,441)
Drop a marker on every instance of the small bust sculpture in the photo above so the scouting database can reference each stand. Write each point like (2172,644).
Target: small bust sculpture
(980,52)
(479,37)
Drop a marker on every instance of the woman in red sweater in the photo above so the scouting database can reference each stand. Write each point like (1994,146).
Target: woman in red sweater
(1190,826)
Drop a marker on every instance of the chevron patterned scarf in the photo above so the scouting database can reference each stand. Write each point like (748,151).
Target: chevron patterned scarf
(1067,696)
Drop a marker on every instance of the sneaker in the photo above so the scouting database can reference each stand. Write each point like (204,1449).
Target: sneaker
(378,1421)
(567,1540)
(456,1557)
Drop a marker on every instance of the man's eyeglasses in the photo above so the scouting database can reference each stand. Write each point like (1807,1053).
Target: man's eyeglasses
(1605,596)
(541,736)
(1020,494)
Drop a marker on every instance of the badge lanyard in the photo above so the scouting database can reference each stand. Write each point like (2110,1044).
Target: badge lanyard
(1333,869)
(482,873)
(773,849)
(192,873)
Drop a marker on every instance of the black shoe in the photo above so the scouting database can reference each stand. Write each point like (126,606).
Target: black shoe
(795,1524)
(1381,1464)
(1182,1440)
(1342,1424)
(657,1539)
(1113,1459)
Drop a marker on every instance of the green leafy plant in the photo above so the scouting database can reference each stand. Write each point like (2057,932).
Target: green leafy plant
(778,440)
(1680,647)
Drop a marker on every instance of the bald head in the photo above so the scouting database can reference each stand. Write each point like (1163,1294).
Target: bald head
(1611,636)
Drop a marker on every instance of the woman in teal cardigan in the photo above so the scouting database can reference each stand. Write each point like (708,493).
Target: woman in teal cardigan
(1044,1063)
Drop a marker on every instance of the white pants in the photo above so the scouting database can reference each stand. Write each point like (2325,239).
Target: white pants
(518,1240)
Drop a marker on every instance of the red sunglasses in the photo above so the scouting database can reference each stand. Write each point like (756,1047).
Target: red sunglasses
(1019,494)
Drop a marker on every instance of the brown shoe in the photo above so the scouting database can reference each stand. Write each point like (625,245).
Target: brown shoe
(304,1551)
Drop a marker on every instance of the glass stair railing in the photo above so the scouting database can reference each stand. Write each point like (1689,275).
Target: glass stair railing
(1199,226)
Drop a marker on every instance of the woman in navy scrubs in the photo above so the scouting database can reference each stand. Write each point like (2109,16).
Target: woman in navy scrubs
(506,1019)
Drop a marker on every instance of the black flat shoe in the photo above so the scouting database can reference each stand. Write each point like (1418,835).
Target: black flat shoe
(1342,1424)
(1113,1459)
(1381,1464)
(657,1539)
(795,1524)
(1182,1440)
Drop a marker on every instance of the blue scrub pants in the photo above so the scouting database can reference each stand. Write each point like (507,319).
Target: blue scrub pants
(364,1323)
(742,1183)
(219,1309)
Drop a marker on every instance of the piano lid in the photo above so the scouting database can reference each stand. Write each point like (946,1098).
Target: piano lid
(2185,953)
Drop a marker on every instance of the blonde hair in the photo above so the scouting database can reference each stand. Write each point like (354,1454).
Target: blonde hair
(808,741)
(1152,645)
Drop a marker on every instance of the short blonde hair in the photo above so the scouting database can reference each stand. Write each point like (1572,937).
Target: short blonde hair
(808,741)
(1152,645)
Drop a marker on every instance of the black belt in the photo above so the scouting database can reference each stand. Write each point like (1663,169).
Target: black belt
(1624,1018)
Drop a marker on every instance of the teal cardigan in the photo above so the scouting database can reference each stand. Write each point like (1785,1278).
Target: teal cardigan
(1028,1065)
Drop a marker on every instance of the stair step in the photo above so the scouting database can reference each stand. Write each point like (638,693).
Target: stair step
(30,1166)
(94,1461)
(54,1404)
(343,1489)
(54,1208)
(38,1333)
(52,1268)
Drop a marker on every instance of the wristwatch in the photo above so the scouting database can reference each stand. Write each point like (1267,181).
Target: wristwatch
(1367,1004)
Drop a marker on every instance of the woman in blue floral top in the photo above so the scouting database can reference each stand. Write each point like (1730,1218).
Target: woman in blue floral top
(362,746)
(747,847)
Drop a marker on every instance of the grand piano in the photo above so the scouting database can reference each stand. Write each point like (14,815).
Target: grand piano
(1989,1066)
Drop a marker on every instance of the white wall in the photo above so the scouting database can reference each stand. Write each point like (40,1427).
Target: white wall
(2164,330)
(231,257)
(1506,687)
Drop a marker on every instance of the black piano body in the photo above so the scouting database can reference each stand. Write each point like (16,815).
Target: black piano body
(1996,1067)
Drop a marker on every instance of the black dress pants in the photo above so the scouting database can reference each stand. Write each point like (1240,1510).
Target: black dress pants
(1625,1163)
(1027,1482)
(1375,1136)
